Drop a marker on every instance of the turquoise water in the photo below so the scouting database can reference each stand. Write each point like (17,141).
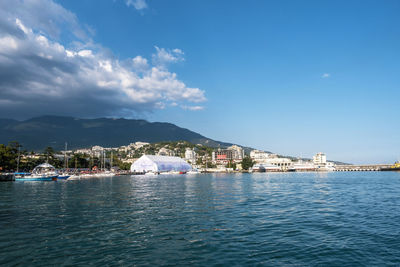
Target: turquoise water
(335,219)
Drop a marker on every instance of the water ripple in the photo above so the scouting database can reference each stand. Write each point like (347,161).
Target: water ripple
(296,219)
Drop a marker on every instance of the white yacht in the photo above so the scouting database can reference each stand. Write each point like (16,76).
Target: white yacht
(42,172)
(301,166)
(265,167)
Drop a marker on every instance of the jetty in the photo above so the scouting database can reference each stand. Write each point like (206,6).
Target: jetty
(353,168)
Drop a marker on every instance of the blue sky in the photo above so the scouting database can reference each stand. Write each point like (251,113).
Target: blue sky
(292,77)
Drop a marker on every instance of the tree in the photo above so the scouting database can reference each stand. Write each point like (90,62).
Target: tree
(9,156)
(247,163)
(78,161)
(231,164)
(124,165)
(49,155)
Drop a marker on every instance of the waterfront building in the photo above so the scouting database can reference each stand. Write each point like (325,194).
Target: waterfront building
(222,156)
(190,155)
(265,158)
(259,156)
(238,152)
(281,162)
(319,159)
(157,164)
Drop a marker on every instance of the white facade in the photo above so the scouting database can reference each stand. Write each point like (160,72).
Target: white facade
(124,149)
(282,162)
(190,155)
(259,156)
(165,152)
(156,164)
(83,151)
(319,159)
(138,145)
(97,151)
(238,152)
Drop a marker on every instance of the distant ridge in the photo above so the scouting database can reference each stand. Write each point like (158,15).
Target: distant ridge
(39,132)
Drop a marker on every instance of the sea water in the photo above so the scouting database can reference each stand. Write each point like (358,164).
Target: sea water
(268,219)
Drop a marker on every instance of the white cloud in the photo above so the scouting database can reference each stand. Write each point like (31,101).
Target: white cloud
(163,57)
(83,80)
(44,16)
(193,108)
(138,4)
(326,75)
(140,63)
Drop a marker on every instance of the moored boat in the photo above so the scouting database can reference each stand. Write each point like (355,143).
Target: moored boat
(394,167)
(301,166)
(265,167)
(42,172)
(63,177)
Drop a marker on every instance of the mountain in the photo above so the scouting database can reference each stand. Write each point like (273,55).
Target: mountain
(40,132)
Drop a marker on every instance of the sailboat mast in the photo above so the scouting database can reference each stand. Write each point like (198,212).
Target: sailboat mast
(65,156)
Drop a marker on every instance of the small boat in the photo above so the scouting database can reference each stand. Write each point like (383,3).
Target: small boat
(265,167)
(42,172)
(394,167)
(63,177)
(301,166)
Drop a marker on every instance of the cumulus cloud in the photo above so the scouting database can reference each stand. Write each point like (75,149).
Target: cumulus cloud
(40,75)
(138,4)
(326,75)
(44,16)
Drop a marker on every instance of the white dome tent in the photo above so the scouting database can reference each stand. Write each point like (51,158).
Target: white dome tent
(158,164)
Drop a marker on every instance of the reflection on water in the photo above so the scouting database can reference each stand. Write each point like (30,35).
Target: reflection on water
(206,219)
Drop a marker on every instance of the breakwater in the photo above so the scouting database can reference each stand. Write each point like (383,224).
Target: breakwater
(369,167)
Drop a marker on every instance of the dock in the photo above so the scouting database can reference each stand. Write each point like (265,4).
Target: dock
(362,168)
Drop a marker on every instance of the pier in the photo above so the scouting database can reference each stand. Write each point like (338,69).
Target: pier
(353,168)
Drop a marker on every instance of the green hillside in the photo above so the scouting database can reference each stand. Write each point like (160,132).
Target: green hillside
(38,133)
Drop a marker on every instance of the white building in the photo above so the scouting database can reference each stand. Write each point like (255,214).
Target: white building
(190,155)
(138,145)
(259,156)
(165,152)
(319,159)
(281,162)
(97,151)
(157,164)
(124,149)
(83,151)
(238,153)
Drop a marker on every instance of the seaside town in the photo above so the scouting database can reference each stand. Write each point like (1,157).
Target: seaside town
(140,158)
